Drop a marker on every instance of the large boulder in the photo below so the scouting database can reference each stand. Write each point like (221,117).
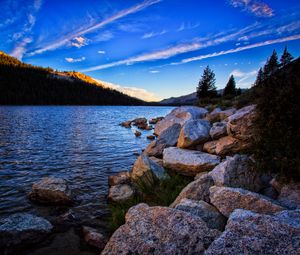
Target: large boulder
(121,193)
(208,213)
(218,130)
(251,233)
(240,124)
(51,191)
(193,132)
(21,230)
(237,172)
(160,230)
(290,195)
(179,115)
(119,178)
(218,115)
(229,145)
(210,147)
(146,171)
(166,139)
(226,200)
(188,162)
(196,190)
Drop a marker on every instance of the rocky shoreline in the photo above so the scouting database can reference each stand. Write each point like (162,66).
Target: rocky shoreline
(227,208)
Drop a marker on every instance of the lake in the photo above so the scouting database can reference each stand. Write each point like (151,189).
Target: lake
(82,144)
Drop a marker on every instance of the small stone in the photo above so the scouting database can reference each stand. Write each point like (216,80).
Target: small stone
(119,178)
(121,193)
(137,133)
(151,137)
(94,238)
(126,124)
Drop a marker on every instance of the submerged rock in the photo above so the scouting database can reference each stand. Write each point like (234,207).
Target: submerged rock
(196,190)
(137,133)
(119,178)
(208,213)
(121,193)
(252,233)
(21,230)
(151,137)
(193,132)
(94,238)
(160,230)
(226,200)
(237,172)
(188,162)
(179,115)
(126,124)
(51,191)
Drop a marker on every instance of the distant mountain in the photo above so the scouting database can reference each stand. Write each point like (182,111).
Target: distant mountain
(189,99)
(24,84)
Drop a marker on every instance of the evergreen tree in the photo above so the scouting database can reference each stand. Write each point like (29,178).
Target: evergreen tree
(239,92)
(206,87)
(286,57)
(259,77)
(230,89)
(272,65)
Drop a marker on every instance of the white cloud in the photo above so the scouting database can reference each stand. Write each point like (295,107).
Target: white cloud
(74,60)
(187,26)
(245,79)
(79,42)
(101,51)
(256,7)
(153,34)
(64,40)
(103,37)
(154,71)
(132,91)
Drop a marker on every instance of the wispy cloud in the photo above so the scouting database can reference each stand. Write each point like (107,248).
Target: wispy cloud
(244,79)
(25,36)
(101,51)
(154,71)
(153,34)
(79,42)
(64,40)
(243,48)
(74,60)
(132,91)
(103,37)
(256,7)
(187,26)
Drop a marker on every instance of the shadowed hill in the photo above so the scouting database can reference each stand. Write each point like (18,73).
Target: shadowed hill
(24,84)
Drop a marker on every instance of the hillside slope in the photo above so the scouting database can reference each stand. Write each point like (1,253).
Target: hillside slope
(24,84)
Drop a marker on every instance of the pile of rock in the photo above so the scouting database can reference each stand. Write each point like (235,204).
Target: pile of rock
(228,209)
(142,124)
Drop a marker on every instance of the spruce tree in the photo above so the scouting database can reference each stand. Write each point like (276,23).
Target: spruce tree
(286,57)
(230,89)
(259,77)
(206,87)
(239,92)
(272,65)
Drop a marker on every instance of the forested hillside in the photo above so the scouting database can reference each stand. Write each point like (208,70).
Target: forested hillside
(24,84)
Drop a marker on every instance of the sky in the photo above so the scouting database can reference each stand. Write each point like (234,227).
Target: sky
(152,49)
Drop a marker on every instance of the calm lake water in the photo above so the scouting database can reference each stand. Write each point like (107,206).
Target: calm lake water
(83,145)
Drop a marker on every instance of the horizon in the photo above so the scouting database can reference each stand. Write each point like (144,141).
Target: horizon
(140,46)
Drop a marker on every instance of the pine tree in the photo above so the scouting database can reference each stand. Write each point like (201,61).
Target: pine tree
(239,92)
(286,57)
(259,77)
(206,87)
(230,89)
(272,65)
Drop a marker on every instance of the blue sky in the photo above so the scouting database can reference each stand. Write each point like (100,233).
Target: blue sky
(157,48)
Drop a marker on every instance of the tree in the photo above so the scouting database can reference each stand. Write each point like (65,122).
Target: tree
(206,87)
(239,92)
(230,89)
(272,65)
(259,77)
(286,57)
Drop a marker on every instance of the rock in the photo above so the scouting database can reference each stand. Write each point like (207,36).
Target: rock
(229,145)
(151,137)
(223,115)
(126,124)
(155,120)
(208,213)
(218,130)
(51,191)
(210,147)
(187,162)
(146,171)
(290,195)
(121,193)
(193,132)
(119,178)
(139,121)
(214,116)
(144,126)
(237,172)
(269,192)
(166,139)
(158,161)
(160,230)
(240,124)
(276,184)
(196,190)
(137,133)
(21,230)
(179,115)
(251,233)
(226,200)
(94,238)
